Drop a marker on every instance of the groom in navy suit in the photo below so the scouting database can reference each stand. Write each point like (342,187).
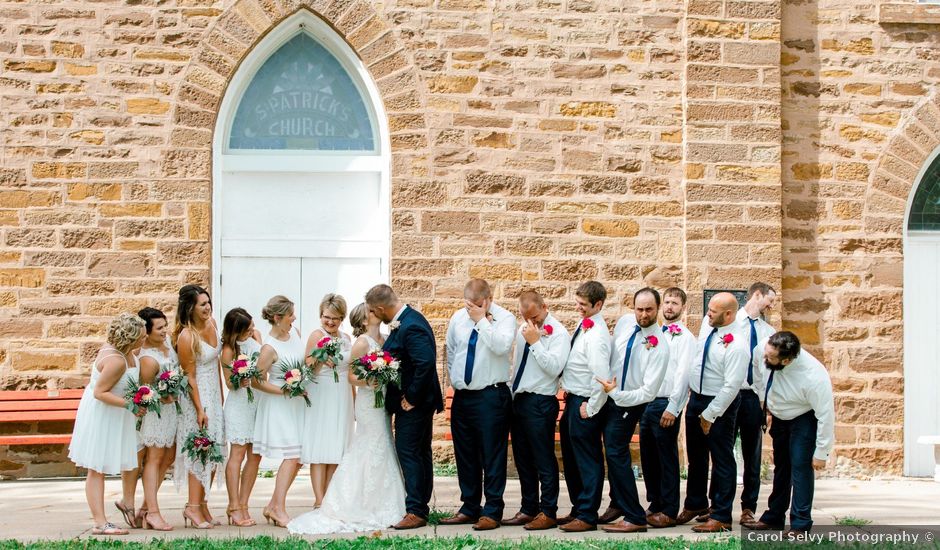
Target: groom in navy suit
(411,342)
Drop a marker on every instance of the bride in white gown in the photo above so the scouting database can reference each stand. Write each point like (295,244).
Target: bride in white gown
(367,492)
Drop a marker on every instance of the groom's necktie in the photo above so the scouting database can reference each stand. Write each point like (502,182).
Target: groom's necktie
(525,357)
(708,343)
(471,352)
(626,356)
(750,363)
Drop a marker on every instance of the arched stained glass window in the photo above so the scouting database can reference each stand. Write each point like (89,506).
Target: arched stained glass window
(925,209)
(302,98)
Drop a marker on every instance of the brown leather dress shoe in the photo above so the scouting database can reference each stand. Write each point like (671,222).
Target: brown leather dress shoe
(518,519)
(485,523)
(624,526)
(686,516)
(610,515)
(747,516)
(410,521)
(458,519)
(541,522)
(712,526)
(660,520)
(703,517)
(577,526)
(761,526)
(565,519)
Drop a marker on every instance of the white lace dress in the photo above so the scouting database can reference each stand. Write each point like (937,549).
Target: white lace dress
(160,431)
(104,438)
(367,492)
(210,396)
(329,421)
(239,412)
(279,422)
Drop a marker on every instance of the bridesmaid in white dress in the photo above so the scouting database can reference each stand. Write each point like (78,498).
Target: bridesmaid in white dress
(104,440)
(280,419)
(198,346)
(239,337)
(367,492)
(157,433)
(330,419)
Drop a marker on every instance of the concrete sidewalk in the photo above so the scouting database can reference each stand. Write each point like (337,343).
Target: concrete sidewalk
(56,509)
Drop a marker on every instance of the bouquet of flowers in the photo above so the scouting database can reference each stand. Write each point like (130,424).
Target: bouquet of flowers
(172,382)
(245,368)
(200,446)
(328,349)
(380,369)
(141,396)
(296,377)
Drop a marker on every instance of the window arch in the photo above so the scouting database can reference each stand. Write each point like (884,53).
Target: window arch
(925,206)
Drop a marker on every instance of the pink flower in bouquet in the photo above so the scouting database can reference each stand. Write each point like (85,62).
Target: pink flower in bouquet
(142,395)
(165,375)
(323,341)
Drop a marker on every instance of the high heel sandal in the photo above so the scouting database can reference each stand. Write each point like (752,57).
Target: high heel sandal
(147,524)
(128,512)
(248,518)
(272,519)
(189,521)
(236,522)
(205,512)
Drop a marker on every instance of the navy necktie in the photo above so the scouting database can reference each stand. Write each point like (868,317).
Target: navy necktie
(665,328)
(770,382)
(576,333)
(525,357)
(626,356)
(708,343)
(750,363)
(471,351)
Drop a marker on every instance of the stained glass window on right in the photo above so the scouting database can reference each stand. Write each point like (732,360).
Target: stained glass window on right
(925,209)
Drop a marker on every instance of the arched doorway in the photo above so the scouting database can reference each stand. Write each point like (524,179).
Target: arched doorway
(300,175)
(922,319)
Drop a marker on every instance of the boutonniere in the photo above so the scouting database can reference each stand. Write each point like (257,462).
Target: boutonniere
(547,330)
(489,316)
(587,324)
(727,339)
(394,325)
(651,341)
(674,330)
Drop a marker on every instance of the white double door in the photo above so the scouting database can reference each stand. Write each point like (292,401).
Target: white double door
(302,235)
(921,350)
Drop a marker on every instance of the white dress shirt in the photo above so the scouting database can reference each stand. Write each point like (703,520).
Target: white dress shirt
(647,367)
(545,361)
(743,330)
(676,383)
(491,356)
(589,358)
(725,370)
(798,388)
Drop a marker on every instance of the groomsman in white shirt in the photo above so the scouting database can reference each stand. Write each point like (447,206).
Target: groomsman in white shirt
(479,339)
(752,328)
(659,426)
(797,392)
(542,346)
(715,378)
(582,423)
(638,361)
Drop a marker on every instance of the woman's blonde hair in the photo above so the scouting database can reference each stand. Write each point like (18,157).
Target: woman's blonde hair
(124,331)
(278,305)
(335,302)
(359,319)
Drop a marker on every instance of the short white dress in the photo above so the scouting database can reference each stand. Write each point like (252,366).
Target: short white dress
(330,421)
(160,431)
(104,438)
(280,419)
(239,412)
(210,396)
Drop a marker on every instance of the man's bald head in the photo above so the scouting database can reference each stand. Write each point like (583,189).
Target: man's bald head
(722,309)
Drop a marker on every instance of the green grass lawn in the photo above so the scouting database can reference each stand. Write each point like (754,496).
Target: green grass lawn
(397,543)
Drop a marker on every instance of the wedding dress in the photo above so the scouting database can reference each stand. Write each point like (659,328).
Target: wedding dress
(367,492)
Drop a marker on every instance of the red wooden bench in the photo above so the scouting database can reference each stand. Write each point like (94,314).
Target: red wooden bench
(449,401)
(38,406)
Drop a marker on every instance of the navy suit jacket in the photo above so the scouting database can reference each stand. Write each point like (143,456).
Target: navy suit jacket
(412,343)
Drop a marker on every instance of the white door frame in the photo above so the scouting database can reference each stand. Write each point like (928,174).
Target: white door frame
(920,411)
(378,161)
